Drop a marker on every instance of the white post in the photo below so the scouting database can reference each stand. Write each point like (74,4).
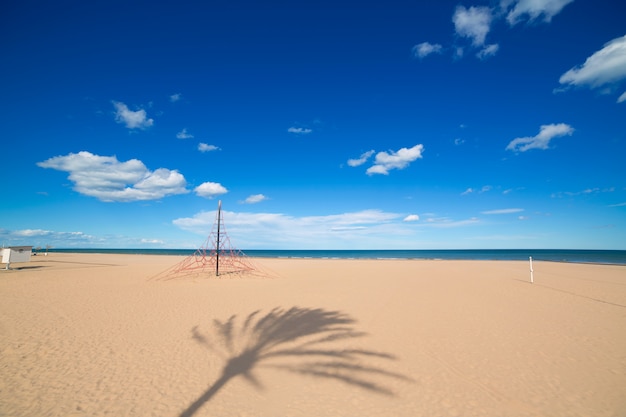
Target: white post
(532,278)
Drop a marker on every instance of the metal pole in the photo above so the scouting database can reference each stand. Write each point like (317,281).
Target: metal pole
(217,252)
(532,278)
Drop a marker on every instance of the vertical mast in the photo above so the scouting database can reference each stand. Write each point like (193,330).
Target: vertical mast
(217,252)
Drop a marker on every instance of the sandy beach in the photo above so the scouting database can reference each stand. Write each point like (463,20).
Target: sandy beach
(97,335)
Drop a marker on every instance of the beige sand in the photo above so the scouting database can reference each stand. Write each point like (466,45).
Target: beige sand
(91,335)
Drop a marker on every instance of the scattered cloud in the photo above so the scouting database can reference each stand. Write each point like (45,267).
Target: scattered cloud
(473,23)
(459,141)
(299,130)
(41,238)
(361,159)
(424,49)
(210,189)
(386,161)
(203,147)
(487,51)
(507,237)
(447,223)
(503,211)
(542,139)
(347,228)
(366,228)
(152,241)
(31,232)
(483,189)
(355,218)
(132,119)
(183,134)
(510,190)
(534,9)
(411,218)
(587,191)
(618,204)
(604,68)
(107,179)
(253,199)
(175,97)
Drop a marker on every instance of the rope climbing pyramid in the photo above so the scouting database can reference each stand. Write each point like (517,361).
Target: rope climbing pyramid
(216,257)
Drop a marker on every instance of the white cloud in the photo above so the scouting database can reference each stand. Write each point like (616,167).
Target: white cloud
(425,48)
(622,98)
(152,241)
(256,198)
(361,160)
(31,232)
(353,218)
(183,134)
(362,229)
(203,147)
(473,23)
(604,67)
(411,218)
(541,140)
(175,97)
(503,211)
(447,223)
(40,237)
(299,130)
(61,239)
(107,179)
(484,189)
(132,119)
(487,51)
(534,9)
(210,189)
(385,162)
(587,191)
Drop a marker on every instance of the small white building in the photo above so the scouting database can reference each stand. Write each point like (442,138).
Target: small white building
(16,254)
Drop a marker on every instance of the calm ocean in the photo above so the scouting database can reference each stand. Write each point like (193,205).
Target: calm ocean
(562,255)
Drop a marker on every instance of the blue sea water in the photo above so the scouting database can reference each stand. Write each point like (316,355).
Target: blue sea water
(616,257)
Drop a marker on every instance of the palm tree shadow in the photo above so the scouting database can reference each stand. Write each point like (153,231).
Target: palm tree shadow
(303,340)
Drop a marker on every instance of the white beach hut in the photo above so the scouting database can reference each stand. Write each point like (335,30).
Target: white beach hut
(16,254)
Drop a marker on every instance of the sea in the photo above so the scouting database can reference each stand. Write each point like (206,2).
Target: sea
(611,257)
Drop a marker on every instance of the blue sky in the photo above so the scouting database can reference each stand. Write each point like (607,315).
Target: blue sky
(403,124)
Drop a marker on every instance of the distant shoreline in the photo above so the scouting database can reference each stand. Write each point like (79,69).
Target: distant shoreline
(602,257)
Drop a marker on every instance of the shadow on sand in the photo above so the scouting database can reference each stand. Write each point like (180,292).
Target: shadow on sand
(22,268)
(303,339)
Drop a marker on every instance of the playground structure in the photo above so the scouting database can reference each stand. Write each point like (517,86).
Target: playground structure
(216,257)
